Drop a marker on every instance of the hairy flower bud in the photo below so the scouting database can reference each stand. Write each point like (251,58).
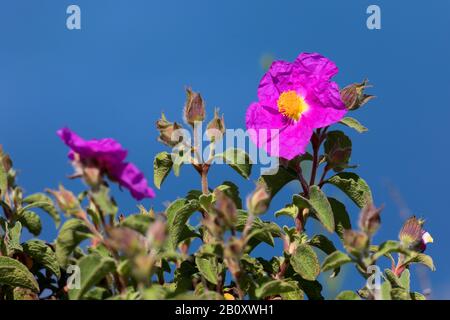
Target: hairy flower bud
(66,200)
(194,110)
(225,208)
(166,130)
(369,218)
(355,241)
(216,127)
(157,233)
(354,97)
(413,236)
(258,201)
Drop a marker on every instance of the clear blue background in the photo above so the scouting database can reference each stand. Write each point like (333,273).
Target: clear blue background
(132,59)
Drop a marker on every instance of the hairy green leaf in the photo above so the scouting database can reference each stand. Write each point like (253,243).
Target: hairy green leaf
(71,234)
(138,222)
(322,208)
(42,201)
(161,168)
(305,262)
(31,221)
(239,160)
(43,255)
(274,183)
(354,124)
(93,268)
(348,295)
(335,260)
(353,186)
(274,288)
(15,274)
(178,213)
(421,258)
(341,217)
(208,268)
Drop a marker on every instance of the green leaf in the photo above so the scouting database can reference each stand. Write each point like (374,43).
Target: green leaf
(290,210)
(208,268)
(42,201)
(399,294)
(274,183)
(239,160)
(322,208)
(296,295)
(417,296)
(265,230)
(12,236)
(138,222)
(393,279)
(386,248)
(353,186)
(354,124)
(405,280)
(341,217)
(274,288)
(15,274)
(3,179)
(161,168)
(335,260)
(178,214)
(348,295)
(71,234)
(323,243)
(93,268)
(386,288)
(43,255)
(31,221)
(338,148)
(305,262)
(103,201)
(421,259)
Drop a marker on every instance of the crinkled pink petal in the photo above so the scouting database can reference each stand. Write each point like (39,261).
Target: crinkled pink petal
(325,105)
(277,80)
(316,65)
(280,137)
(108,151)
(131,178)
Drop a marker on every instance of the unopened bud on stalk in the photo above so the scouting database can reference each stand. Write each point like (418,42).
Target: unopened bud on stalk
(66,200)
(354,97)
(355,241)
(166,130)
(194,110)
(369,218)
(216,127)
(225,207)
(157,233)
(258,202)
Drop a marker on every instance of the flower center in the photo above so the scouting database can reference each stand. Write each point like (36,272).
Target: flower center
(291,105)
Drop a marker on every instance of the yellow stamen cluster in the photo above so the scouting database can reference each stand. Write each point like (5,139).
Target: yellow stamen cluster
(291,105)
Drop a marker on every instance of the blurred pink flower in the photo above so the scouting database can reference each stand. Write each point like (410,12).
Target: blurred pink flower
(109,157)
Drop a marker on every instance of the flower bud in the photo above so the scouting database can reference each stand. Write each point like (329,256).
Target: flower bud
(225,208)
(66,200)
(157,233)
(166,130)
(355,241)
(258,202)
(413,236)
(216,127)
(194,109)
(369,218)
(354,97)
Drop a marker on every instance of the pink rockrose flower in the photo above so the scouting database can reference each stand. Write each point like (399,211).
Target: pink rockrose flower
(294,99)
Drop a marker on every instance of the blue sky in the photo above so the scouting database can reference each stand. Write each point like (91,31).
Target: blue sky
(132,60)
